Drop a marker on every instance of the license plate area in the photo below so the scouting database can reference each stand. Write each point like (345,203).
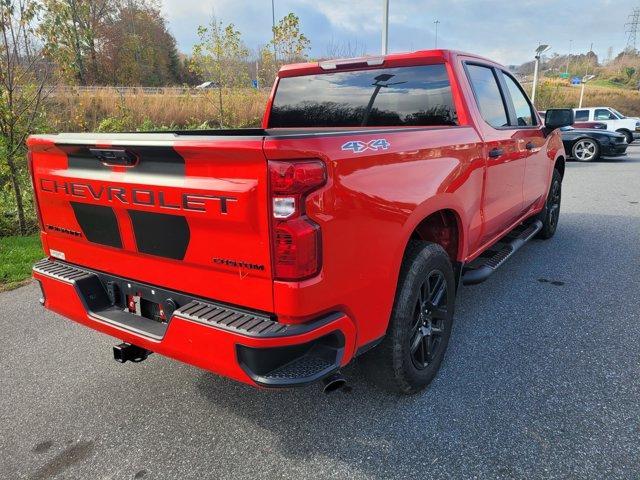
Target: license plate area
(142,307)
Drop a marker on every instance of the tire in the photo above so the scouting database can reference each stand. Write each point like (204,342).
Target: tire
(627,134)
(585,150)
(420,322)
(550,214)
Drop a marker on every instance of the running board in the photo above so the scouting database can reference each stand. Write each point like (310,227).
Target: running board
(482,268)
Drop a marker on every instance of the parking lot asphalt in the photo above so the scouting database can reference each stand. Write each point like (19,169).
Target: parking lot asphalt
(542,379)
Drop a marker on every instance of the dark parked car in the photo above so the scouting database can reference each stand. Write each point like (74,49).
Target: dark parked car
(587,144)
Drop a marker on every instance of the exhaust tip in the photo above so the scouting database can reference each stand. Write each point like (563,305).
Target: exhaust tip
(333,382)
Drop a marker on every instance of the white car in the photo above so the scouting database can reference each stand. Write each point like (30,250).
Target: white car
(615,121)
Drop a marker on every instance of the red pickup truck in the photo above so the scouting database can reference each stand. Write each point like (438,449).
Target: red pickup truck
(343,226)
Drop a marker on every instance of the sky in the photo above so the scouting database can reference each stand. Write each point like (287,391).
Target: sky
(507,31)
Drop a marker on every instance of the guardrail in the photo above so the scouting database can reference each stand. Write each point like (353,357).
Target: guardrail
(73,89)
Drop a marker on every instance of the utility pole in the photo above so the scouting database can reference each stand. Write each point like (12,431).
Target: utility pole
(633,25)
(385,26)
(436,22)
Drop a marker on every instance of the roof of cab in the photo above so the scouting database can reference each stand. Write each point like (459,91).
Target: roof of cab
(373,61)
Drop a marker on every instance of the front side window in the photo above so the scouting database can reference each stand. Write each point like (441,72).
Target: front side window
(617,113)
(522,107)
(404,96)
(582,115)
(488,96)
(603,114)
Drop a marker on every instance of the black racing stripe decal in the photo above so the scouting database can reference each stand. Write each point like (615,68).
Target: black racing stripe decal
(152,160)
(98,223)
(160,234)
(82,159)
(158,160)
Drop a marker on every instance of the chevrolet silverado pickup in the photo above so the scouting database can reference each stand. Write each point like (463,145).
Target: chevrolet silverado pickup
(341,228)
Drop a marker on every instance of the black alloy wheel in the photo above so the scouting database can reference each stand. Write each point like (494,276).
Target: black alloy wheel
(550,214)
(428,322)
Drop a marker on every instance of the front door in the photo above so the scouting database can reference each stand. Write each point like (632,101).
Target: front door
(530,139)
(505,159)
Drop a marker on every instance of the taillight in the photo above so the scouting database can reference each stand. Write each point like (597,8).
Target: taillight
(36,205)
(296,240)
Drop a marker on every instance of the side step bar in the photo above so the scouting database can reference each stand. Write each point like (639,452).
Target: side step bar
(483,267)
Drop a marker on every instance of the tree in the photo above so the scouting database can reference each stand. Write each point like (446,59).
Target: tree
(138,48)
(287,46)
(289,43)
(22,80)
(220,56)
(72,30)
(267,66)
(630,72)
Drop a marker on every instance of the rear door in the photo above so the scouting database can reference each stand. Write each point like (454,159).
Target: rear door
(503,199)
(187,213)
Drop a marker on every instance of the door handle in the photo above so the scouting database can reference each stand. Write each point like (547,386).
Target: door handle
(115,157)
(530,146)
(496,152)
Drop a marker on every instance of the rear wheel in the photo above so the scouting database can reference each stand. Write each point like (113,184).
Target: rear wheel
(550,214)
(585,150)
(420,326)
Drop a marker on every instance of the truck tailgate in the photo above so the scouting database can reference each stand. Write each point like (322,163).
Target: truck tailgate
(188,213)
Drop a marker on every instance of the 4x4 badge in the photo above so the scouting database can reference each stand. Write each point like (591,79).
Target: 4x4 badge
(358,146)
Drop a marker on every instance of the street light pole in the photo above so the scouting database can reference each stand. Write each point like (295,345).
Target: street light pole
(385,26)
(539,51)
(436,22)
(585,79)
(566,71)
(381,81)
(273,28)
(535,80)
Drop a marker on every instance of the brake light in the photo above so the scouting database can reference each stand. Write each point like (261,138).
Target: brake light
(36,205)
(296,239)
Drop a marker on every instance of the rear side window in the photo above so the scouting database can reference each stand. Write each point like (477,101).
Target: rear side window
(410,96)
(488,96)
(521,106)
(582,115)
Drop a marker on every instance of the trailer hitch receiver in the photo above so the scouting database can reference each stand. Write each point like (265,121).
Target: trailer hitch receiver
(133,353)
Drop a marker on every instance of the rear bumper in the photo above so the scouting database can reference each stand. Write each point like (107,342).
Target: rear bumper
(250,347)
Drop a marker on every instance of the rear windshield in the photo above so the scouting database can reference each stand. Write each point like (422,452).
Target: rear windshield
(416,96)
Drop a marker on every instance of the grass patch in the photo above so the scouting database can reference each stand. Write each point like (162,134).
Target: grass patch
(606,83)
(17,256)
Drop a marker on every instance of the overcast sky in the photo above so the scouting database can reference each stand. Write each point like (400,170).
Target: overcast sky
(505,30)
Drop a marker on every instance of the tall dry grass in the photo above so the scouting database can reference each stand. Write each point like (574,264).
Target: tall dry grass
(557,94)
(107,109)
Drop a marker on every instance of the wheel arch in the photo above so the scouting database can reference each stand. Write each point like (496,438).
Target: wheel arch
(442,227)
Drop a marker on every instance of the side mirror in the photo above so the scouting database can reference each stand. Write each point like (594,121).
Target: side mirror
(558,117)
